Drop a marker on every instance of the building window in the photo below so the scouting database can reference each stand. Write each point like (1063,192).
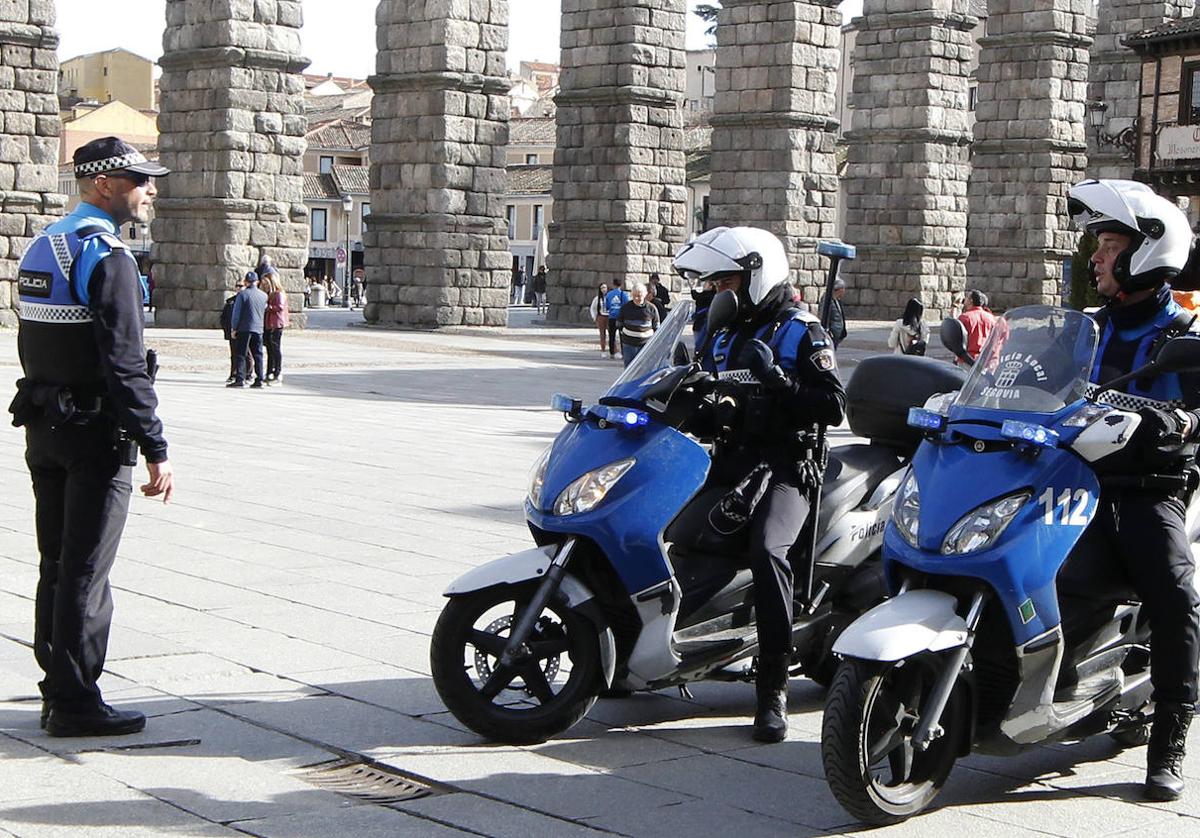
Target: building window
(510,213)
(539,218)
(972,97)
(366,210)
(326,165)
(1189,114)
(320,219)
(531,159)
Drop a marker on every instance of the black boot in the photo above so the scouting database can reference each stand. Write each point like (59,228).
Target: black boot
(770,685)
(1164,757)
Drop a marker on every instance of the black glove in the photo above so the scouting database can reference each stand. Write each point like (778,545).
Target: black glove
(1158,429)
(758,358)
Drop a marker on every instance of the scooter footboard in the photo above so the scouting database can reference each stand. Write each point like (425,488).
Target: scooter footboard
(911,623)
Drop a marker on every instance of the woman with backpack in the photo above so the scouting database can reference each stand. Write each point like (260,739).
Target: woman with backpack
(910,335)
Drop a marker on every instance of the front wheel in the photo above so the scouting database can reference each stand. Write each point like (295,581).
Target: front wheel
(548,687)
(871,763)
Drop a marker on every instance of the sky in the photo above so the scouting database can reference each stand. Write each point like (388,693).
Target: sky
(338,35)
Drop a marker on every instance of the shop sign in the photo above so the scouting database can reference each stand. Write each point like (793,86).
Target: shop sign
(1179,142)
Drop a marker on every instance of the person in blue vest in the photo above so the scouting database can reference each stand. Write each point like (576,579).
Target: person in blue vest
(87,404)
(1144,242)
(788,352)
(614,301)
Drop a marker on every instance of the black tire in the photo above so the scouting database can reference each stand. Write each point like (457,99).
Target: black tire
(871,702)
(463,656)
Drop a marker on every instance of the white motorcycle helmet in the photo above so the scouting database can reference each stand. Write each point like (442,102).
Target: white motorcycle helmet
(756,254)
(1160,237)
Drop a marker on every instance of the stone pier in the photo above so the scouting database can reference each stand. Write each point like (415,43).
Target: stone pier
(29,198)
(773,162)
(231,129)
(619,196)
(1029,148)
(1115,78)
(436,249)
(908,156)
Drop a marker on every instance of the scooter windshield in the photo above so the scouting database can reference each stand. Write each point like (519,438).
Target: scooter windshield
(671,346)
(1037,360)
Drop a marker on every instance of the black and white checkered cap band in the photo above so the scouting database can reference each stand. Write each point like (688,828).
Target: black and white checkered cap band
(44,313)
(109,164)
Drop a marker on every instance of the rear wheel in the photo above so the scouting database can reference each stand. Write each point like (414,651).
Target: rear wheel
(871,763)
(548,687)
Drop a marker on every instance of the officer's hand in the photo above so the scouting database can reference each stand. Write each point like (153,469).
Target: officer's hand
(162,481)
(1158,428)
(758,358)
(233,333)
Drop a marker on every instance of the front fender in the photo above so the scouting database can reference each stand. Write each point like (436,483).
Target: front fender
(911,623)
(531,565)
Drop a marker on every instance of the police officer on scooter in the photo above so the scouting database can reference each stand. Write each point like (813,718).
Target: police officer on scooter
(87,403)
(789,353)
(1144,241)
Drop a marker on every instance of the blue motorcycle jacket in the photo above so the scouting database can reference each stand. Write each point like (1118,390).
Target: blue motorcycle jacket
(81,322)
(1128,338)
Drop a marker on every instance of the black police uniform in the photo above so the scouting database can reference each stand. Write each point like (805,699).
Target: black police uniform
(86,399)
(806,393)
(1141,532)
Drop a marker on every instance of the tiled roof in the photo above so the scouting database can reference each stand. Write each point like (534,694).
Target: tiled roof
(342,133)
(320,188)
(1166,31)
(532,131)
(353,179)
(530,180)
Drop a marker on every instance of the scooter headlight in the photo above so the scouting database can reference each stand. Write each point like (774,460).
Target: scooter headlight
(907,510)
(980,527)
(583,494)
(537,478)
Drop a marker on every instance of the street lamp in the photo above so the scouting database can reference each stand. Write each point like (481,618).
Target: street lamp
(1126,138)
(347,208)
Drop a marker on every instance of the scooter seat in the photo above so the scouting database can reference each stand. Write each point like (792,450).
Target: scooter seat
(854,472)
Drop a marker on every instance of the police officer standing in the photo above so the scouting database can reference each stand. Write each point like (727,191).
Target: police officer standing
(1144,241)
(788,352)
(87,403)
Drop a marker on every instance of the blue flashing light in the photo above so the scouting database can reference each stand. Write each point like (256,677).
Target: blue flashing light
(837,248)
(1030,433)
(926,420)
(625,417)
(561,402)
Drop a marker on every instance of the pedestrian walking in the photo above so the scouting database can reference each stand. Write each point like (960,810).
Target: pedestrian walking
(638,321)
(518,286)
(836,316)
(275,321)
(599,313)
(659,295)
(88,405)
(613,301)
(910,335)
(249,312)
(539,290)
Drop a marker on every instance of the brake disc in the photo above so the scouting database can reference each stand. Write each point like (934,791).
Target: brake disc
(482,659)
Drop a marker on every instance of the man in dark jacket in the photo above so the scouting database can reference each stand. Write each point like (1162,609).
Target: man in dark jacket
(788,352)
(87,403)
(637,323)
(1144,242)
(836,317)
(249,311)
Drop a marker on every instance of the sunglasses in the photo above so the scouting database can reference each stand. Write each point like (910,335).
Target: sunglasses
(136,178)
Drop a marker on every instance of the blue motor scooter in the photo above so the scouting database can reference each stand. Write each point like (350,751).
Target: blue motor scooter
(983,649)
(630,588)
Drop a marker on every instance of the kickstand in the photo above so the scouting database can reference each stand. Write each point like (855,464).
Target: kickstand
(684,692)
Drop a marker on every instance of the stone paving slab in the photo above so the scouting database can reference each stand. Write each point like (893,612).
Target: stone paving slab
(277,615)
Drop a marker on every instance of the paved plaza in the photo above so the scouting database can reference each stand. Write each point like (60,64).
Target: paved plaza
(276,616)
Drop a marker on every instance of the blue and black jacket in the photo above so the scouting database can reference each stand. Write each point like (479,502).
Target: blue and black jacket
(1129,337)
(81,322)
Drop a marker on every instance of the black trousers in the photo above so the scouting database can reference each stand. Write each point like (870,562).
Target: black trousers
(612,336)
(777,523)
(273,339)
(252,343)
(81,496)
(1141,538)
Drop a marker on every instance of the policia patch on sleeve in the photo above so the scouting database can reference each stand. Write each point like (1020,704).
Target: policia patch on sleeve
(34,283)
(824,360)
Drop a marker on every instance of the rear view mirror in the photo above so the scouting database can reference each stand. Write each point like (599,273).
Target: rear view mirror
(954,337)
(1181,354)
(722,311)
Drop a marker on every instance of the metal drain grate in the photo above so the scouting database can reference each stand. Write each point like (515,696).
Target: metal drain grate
(370,783)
